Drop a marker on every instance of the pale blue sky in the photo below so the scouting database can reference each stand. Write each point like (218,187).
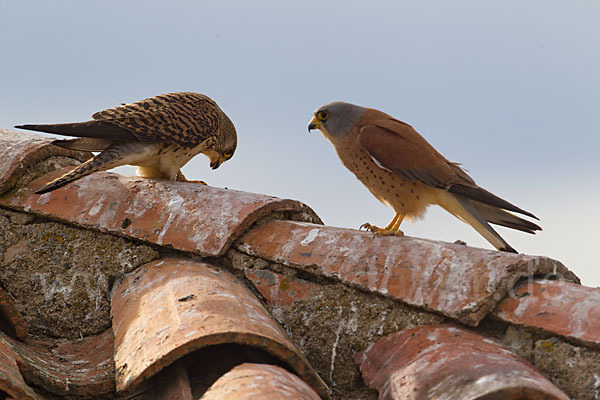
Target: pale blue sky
(511,89)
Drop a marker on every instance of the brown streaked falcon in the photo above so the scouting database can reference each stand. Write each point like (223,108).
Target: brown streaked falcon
(159,135)
(403,170)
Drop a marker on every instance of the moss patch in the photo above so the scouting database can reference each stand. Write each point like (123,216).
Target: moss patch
(575,369)
(59,276)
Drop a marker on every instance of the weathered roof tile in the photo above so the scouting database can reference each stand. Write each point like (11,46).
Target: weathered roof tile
(20,150)
(172,307)
(446,361)
(461,282)
(11,380)
(186,216)
(570,310)
(81,367)
(171,383)
(11,321)
(259,381)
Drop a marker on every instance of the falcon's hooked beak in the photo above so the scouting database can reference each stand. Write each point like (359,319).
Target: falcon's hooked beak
(314,124)
(217,163)
(216,159)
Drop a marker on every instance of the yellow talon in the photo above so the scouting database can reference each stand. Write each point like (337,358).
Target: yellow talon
(182,178)
(385,232)
(367,226)
(393,228)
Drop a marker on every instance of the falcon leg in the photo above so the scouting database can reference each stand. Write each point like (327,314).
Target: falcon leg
(374,228)
(182,178)
(393,228)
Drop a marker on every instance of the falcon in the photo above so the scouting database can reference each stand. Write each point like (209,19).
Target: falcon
(159,135)
(400,168)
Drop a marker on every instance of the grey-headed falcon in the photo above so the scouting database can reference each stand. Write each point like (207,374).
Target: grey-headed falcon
(159,135)
(402,169)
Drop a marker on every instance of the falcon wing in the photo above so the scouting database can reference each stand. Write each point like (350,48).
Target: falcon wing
(396,146)
(88,129)
(186,119)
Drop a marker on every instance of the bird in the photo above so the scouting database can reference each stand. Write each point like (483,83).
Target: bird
(159,135)
(401,169)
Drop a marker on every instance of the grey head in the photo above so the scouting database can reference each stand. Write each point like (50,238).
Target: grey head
(336,119)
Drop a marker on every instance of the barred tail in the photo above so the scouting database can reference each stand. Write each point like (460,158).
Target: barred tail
(131,153)
(88,167)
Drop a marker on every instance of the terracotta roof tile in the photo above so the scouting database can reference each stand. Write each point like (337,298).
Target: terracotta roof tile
(11,321)
(172,307)
(259,381)
(186,216)
(564,308)
(11,380)
(81,367)
(445,361)
(171,383)
(19,151)
(461,282)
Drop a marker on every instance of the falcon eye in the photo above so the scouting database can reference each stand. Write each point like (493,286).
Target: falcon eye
(322,115)
(228,154)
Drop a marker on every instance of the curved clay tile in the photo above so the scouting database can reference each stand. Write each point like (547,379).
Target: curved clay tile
(11,380)
(259,381)
(570,310)
(170,308)
(449,362)
(81,367)
(11,321)
(185,216)
(19,151)
(465,283)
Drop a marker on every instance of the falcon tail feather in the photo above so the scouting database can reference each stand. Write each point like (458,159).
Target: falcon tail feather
(88,167)
(483,196)
(464,209)
(495,215)
(91,129)
(83,144)
(110,158)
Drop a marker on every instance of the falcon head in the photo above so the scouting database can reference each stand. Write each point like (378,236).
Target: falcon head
(224,146)
(335,120)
